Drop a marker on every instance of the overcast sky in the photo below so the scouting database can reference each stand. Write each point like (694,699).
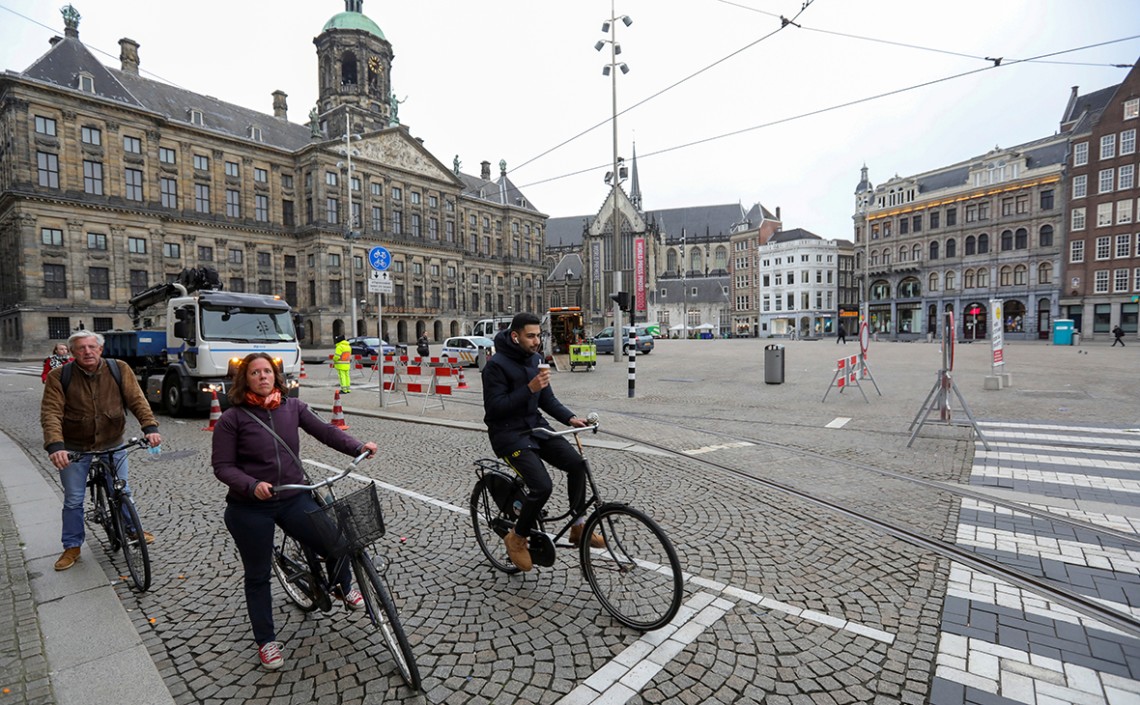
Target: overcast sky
(514,79)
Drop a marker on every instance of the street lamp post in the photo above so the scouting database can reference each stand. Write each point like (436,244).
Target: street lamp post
(611,70)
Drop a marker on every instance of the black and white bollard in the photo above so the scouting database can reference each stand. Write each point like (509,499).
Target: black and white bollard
(632,370)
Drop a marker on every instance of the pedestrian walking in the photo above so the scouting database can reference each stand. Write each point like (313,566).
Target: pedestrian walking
(841,336)
(59,357)
(1119,333)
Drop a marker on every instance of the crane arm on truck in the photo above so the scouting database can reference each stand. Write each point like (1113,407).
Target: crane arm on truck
(189,280)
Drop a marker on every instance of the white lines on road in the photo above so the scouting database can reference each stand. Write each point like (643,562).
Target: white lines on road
(838,422)
(720,446)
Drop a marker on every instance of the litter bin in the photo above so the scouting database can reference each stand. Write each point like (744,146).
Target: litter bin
(481,359)
(1063,331)
(774,364)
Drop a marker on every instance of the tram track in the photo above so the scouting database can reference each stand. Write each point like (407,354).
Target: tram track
(1070,599)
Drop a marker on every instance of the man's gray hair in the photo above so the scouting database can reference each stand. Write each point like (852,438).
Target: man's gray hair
(79,334)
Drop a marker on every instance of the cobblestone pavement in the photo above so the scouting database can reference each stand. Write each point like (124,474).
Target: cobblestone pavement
(787,603)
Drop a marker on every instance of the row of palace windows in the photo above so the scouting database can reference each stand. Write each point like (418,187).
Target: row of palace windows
(974,212)
(1016,275)
(1010,240)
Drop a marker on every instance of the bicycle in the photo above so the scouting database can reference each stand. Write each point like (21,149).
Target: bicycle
(636,576)
(115,511)
(350,523)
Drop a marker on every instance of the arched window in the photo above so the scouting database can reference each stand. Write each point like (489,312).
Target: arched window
(886,256)
(1020,272)
(874,257)
(983,244)
(720,258)
(934,250)
(983,277)
(695,260)
(951,248)
(903,252)
(916,252)
(555,299)
(968,279)
(858,260)
(1006,240)
(909,288)
(880,290)
(1045,236)
(971,245)
(1045,273)
(1005,276)
(1021,239)
(348,68)
(950,284)
(932,283)
(671,261)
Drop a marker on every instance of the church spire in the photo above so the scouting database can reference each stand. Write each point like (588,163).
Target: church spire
(634,183)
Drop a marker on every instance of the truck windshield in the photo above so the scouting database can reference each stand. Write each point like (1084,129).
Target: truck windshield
(247,325)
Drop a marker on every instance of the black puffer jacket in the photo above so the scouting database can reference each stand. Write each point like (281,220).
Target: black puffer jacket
(510,408)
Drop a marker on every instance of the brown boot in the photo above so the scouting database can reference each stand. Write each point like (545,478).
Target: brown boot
(596,540)
(518,550)
(70,555)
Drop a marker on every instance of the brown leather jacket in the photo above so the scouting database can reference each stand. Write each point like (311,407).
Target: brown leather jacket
(93,416)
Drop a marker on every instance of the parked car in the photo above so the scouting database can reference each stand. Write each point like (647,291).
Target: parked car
(367,347)
(632,336)
(464,349)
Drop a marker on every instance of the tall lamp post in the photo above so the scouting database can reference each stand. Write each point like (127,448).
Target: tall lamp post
(350,233)
(611,70)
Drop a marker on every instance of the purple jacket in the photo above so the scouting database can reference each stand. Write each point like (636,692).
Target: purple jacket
(245,454)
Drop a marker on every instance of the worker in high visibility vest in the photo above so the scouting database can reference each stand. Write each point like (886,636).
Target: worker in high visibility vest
(342,359)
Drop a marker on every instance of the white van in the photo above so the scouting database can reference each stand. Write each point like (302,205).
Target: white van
(488,327)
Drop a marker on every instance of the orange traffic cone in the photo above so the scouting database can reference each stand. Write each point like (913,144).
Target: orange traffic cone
(215,411)
(303,375)
(338,413)
(462,380)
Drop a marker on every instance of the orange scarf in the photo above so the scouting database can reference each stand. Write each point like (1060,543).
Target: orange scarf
(270,402)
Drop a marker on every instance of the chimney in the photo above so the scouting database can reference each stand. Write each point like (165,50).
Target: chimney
(280,108)
(778,214)
(129,56)
(485,170)
(55,40)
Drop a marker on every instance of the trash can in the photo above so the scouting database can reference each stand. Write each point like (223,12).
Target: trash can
(1063,331)
(774,364)
(481,359)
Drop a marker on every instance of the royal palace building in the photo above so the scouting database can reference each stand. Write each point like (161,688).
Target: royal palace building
(111,182)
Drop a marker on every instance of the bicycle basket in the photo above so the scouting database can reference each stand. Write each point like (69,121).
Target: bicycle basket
(350,523)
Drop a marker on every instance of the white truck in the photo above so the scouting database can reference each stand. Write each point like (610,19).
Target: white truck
(179,363)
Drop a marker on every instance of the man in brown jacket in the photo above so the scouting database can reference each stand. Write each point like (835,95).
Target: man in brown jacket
(90,415)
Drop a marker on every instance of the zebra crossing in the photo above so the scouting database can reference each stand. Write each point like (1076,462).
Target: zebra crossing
(34,370)
(1003,644)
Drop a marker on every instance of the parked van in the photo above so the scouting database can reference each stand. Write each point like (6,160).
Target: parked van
(488,327)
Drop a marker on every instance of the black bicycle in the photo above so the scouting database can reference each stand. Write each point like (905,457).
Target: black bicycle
(350,523)
(115,511)
(636,575)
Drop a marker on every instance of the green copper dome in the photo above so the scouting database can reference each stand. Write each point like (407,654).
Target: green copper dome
(353,20)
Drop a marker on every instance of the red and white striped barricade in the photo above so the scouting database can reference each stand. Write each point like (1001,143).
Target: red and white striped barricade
(846,375)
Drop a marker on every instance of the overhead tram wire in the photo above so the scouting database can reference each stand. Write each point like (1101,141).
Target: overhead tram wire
(820,111)
(666,89)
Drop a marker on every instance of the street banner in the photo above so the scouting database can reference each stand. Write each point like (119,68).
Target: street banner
(639,274)
(596,302)
(997,332)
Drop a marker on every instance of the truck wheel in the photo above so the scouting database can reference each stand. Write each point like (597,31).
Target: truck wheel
(172,398)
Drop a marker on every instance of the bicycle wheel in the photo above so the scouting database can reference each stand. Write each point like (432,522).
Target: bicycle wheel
(134,546)
(102,514)
(491,524)
(637,576)
(291,566)
(381,610)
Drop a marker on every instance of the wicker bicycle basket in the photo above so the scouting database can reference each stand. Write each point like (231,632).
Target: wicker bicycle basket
(350,523)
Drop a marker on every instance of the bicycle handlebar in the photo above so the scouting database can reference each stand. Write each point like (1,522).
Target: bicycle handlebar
(74,455)
(548,433)
(327,481)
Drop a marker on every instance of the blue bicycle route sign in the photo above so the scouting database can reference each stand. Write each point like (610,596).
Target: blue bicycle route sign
(380,258)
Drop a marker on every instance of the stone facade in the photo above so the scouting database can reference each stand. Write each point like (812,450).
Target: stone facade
(110,183)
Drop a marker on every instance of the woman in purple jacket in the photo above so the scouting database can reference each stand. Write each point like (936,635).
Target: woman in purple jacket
(256,446)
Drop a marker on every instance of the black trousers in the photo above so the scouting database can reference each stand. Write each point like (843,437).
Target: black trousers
(251,525)
(528,464)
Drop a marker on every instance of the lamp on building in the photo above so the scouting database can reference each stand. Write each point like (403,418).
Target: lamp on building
(614,177)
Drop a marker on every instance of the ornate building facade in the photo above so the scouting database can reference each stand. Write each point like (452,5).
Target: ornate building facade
(111,182)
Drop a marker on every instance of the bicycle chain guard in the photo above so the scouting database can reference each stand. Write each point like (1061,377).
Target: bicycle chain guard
(541,550)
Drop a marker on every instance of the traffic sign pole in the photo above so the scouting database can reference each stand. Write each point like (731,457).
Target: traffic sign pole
(380,259)
(380,335)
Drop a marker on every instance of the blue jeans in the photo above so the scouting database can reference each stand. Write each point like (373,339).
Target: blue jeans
(74,480)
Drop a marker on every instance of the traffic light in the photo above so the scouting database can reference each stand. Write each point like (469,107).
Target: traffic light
(622,299)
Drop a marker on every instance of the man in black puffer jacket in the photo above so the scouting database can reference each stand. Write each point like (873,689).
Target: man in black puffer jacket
(514,390)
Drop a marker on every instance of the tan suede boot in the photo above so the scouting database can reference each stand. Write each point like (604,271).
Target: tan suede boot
(596,540)
(518,550)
